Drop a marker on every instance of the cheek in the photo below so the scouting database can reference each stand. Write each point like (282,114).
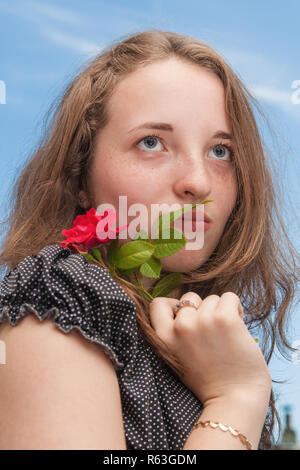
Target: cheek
(110,180)
(226,195)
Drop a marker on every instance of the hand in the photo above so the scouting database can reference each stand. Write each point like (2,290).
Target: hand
(219,356)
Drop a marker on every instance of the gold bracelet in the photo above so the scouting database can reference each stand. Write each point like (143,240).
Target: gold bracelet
(223,427)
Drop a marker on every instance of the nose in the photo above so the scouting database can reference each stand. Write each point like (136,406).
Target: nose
(194,181)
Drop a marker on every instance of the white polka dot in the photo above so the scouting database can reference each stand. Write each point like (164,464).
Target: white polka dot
(158,409)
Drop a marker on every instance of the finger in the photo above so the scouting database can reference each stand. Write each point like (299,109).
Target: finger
(208,305)
(230,304)
(193,296)
(161,314)
(188,309)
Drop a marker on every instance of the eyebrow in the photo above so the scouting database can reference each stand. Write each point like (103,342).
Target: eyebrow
(164,126)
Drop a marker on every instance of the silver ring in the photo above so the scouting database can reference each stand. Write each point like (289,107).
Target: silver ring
(181,304)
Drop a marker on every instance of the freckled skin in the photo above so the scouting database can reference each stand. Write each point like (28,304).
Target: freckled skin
(183,167)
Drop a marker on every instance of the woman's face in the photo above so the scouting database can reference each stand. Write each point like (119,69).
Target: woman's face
(183,166)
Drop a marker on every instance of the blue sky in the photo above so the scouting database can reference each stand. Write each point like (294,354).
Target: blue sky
(43,44)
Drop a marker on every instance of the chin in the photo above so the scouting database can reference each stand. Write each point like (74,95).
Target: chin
(183,261)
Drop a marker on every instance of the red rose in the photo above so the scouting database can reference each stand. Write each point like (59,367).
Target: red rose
(83,234)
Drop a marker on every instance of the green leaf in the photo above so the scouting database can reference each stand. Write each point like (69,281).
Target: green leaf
(139,278)
(133,254)
(112,251)
(88,257)
(96,253)
(176,214)
(167,246)
(166,285)
(151,268)
(142,235)
(127,271)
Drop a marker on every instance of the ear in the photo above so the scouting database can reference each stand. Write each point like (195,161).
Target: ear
(83,199)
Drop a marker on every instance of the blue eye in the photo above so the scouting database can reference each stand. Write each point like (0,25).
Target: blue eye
(151,141)
(219,152)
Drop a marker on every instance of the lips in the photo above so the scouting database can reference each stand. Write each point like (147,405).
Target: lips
(192,215)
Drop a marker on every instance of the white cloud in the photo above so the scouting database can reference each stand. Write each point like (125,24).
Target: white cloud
(254,68)
(75,43)
(274,95)
(56,13)
(38,13)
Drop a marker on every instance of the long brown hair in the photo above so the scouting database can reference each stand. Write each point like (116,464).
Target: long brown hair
(250,260)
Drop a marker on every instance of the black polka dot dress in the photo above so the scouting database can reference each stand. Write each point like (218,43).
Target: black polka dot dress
(158,409)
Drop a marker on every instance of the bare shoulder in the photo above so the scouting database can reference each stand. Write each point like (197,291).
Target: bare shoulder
(57,390)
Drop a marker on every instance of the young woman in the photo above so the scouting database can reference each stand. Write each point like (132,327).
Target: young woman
(130,374)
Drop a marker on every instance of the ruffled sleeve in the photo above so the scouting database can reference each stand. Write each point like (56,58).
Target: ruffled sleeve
(77,294)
